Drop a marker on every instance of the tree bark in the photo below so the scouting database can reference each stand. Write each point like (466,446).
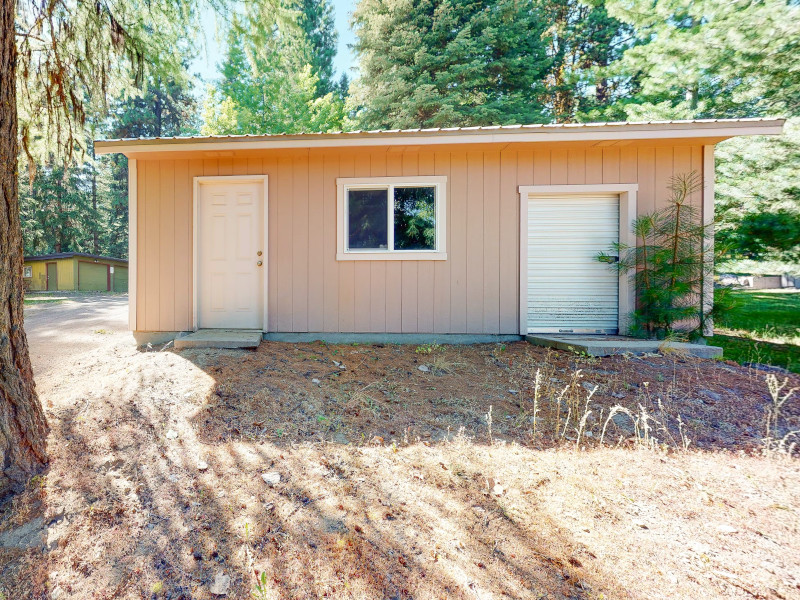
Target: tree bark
(159,107)
(95,232)
(23,426)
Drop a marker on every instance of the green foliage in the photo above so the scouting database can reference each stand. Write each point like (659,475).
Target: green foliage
(414,218)
(439,63)
(758,267)
(83,207)
(761,327)
(582,40)
(73,56)
(711,59)
(277,66)
(316,21)
(261,590)
(164,107)
(758,196)
(759,234)
(56,210)
(668,265)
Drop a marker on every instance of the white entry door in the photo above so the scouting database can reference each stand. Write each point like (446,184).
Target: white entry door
(231,254)
(569,291)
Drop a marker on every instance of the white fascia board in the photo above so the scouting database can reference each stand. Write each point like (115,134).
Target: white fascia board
(567,134)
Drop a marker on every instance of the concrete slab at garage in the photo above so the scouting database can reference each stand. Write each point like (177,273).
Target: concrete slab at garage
(607,345)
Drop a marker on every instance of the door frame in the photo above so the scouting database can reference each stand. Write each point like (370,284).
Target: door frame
(47,276)
(627,214)
(197,182)
(89,262)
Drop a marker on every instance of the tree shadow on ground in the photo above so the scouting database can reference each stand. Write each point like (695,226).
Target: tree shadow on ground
(391,482)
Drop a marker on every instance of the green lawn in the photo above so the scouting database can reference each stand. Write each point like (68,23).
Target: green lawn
(763,327)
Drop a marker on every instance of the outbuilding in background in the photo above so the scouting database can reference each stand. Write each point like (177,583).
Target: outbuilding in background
(75,271)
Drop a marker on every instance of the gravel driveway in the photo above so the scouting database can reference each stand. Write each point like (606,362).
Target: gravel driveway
(78,325)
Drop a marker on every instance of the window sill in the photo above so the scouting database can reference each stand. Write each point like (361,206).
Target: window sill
(391,255)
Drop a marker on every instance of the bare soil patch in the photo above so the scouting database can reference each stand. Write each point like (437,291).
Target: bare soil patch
(384,479)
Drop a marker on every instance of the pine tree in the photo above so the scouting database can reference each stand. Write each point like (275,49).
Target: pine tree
(83,207)
(56,210)
(58,62)
(277,65)
(165,107)
(711,59)
(583,39)
(316,21)
(439,63)
(668,265)
(757,196)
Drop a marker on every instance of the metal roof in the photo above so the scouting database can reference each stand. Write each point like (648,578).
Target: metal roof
(70,255)
(485,133)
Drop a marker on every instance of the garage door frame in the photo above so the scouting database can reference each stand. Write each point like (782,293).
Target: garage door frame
(89,262)
(627,214)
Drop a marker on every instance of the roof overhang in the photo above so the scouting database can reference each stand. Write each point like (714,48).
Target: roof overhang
(505,134)
(65,255)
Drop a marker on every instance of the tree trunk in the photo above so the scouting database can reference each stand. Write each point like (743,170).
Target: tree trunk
(158,107)
(95,220)
(23,427)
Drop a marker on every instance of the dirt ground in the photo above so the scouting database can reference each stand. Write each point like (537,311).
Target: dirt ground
(80,324)
(399,472)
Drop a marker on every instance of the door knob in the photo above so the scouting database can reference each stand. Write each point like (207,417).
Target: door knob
(259,263)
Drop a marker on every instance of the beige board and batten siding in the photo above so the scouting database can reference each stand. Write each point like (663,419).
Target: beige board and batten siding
(476,290)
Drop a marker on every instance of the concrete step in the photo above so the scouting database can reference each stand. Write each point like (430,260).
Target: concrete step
(596,345)
(220,338)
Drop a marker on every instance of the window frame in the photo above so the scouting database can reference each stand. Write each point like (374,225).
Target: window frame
(29,270)
(344,184)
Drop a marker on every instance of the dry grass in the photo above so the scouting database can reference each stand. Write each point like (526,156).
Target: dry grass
(392,486)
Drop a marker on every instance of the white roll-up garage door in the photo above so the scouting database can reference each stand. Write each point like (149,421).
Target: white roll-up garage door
(569,291)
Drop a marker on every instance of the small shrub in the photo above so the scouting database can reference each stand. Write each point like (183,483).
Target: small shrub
(672,259)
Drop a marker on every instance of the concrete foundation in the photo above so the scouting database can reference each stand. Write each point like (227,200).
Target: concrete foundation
(206,337)
(156,337)
(392,338)
(596,345)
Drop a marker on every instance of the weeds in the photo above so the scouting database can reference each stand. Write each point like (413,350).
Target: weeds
(260,590)
(537,390)
(489,425)
(641,425)
(441,365)
(773,445)
(427,348)
(584,417)
(685,441)
(361,398)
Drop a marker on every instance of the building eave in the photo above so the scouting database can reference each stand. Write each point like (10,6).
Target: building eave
(587,132)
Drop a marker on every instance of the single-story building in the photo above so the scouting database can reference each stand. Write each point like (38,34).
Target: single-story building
(471,233)
(75,271)
(759,282)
